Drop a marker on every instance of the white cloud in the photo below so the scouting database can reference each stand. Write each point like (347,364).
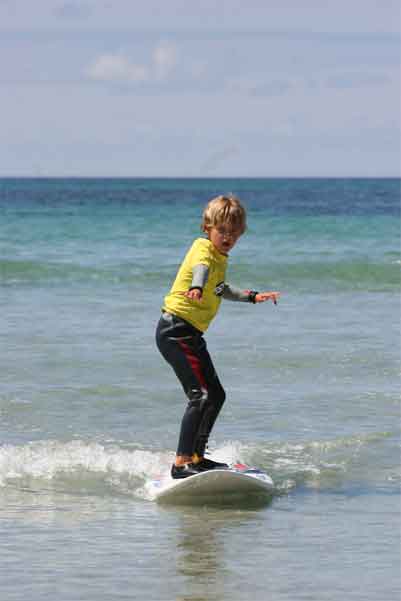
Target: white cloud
(120,68)
(164,59)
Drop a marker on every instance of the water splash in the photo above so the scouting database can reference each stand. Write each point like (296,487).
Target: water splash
(81,467)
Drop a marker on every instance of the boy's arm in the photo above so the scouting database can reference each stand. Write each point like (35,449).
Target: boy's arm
(232,293)
(200,273)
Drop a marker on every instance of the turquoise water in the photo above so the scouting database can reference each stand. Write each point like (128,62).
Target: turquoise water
(89,412)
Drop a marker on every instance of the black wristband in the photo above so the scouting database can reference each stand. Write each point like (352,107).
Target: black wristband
(196,288)
(252,296)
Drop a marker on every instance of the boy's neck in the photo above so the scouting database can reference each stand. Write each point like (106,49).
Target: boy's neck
(217,250)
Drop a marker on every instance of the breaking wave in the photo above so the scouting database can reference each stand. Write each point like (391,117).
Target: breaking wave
(80,467)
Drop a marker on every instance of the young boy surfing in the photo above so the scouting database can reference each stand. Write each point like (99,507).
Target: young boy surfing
(188,309)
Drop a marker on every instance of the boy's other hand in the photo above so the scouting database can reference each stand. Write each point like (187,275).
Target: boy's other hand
(262,297)
(194,294)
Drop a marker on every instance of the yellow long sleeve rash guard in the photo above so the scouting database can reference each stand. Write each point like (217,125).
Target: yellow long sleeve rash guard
(201,313)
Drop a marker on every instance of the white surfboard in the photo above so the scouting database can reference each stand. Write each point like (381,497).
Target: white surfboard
(213,485)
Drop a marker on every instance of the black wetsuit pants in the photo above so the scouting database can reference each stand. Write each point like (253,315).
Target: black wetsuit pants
(184,348)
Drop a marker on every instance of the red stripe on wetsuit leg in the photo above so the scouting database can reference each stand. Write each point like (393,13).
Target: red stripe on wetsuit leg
(194,363)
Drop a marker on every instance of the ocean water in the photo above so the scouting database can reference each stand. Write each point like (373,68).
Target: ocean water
(89,411)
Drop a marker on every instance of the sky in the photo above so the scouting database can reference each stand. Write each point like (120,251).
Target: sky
(263,88)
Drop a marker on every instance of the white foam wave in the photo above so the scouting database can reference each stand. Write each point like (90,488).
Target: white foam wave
(80,465)
(48,460)
(310,463)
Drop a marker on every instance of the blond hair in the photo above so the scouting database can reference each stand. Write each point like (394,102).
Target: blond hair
(224,210)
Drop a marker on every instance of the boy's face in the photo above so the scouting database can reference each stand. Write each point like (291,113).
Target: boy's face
(223,237)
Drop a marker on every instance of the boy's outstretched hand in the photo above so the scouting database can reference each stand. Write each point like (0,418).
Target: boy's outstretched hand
(262,297)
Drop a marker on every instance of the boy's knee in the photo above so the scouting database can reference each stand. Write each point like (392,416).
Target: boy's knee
(197,396)
(200,397)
